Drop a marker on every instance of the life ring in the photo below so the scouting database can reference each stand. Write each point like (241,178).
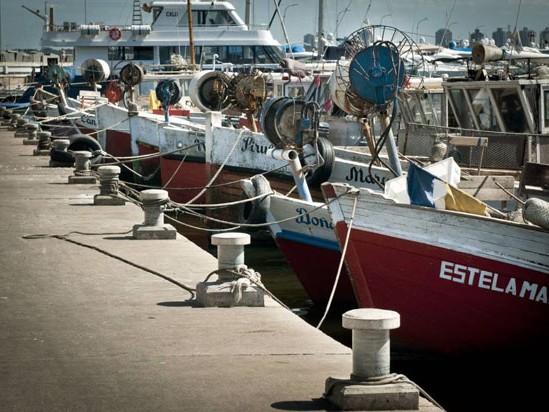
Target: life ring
(321,174)
(115,33)
(255,211)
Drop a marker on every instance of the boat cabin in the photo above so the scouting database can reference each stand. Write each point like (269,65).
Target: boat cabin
(219,36)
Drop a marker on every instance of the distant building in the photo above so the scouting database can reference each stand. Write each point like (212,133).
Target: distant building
(476,36)
(527,37)
(443,37)
(544,38)
(501,36)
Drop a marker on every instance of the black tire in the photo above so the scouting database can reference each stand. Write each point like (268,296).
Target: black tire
(255,212)
(81,142)
(323,173)
(62,156)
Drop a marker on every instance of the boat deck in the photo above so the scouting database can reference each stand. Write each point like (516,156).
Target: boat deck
(82,330)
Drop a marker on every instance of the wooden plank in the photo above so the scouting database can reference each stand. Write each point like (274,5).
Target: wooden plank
(486,187)
(469,141)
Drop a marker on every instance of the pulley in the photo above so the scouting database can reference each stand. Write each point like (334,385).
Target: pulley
(209,90)
(95,70)
(131,74)
(283,121)
(168,92)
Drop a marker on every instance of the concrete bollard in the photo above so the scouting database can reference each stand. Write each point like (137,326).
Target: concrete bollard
(230,289)
(44,144)
(371,344)
(20,127)
(154,202)
(6,117)
(371,387)
(108,187)
(59,156)
(82,168)
(14,117)
(32,134)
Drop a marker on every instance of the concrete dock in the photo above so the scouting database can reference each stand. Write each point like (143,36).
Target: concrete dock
(85,330)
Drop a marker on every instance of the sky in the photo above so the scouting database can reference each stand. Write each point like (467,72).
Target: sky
(419,18)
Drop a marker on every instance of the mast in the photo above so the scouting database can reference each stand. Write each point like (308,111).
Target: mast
(191,39)
(248,13)
(320,36)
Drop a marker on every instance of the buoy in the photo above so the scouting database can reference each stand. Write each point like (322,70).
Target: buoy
(536,211)
(115,34)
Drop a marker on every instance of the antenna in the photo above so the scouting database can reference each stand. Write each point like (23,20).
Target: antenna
(137,17)
(36,13)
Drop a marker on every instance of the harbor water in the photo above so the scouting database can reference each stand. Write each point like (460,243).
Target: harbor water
(496,380)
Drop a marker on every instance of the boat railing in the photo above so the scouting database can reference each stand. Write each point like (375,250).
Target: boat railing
(76,28)
(500,150)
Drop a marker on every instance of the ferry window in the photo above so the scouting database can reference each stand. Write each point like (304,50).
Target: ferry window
(116,53)
(266,55)
(130,53)
(236,54)
(208,18)
(143,53)
(165,53)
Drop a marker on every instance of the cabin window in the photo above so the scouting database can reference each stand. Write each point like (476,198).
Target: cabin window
(513,112)
(267,55)
(130,53)
(208,18)
(482,110)
(240,55)
(165,53)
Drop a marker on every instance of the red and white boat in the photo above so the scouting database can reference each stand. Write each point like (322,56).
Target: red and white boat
(304,233)
(461,282)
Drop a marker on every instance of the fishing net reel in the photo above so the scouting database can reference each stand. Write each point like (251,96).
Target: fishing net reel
(374,69)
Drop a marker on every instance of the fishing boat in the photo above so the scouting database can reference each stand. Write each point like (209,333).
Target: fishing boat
(462,282)
(503,101)
(492,162)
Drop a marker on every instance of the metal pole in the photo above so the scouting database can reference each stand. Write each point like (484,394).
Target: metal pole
(320,27)
(191,39)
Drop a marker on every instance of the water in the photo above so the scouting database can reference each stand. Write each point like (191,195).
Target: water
(495,381)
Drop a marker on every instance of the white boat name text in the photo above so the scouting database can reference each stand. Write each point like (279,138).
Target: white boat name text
(307,219)
(484,279)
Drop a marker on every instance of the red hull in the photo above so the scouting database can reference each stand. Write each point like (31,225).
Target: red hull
(184,181)
(317,275)
(448,301)
(148,166)
(118,144)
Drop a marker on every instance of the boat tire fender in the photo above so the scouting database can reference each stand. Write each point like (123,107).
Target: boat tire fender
(84,142)
(255,211)
(322,173)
